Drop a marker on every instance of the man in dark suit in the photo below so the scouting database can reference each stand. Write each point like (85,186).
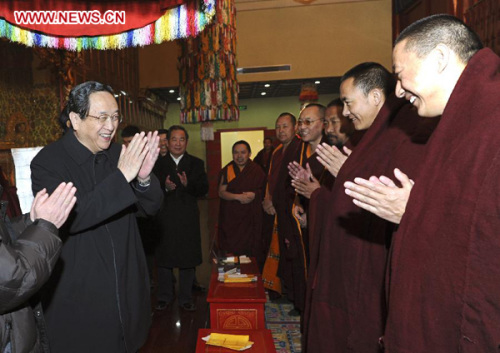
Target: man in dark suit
(183,180)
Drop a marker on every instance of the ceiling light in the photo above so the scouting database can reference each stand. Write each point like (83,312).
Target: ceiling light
(171,91)
(178,98)
(317,82)
(263,93)
(267,85)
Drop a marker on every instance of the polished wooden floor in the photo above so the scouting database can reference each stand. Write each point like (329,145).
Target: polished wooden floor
(175,330)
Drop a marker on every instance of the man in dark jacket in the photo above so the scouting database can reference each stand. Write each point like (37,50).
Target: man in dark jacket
(98,297)
(182,179)
(29,248)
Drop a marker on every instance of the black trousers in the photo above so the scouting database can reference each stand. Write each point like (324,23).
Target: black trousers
(166,284)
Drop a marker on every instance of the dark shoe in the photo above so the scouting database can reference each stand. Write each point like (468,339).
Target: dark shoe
(198,288)
(273,295)
(280,299)
(162,305)
(294,312)
(188,306)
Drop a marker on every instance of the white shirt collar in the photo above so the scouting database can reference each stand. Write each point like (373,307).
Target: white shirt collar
(177,160)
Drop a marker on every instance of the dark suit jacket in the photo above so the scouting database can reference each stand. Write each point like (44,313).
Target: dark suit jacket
(179,218)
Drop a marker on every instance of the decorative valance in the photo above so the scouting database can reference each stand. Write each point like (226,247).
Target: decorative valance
(102,25)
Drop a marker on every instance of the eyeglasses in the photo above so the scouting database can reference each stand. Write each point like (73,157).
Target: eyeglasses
(306,122)
(103,118)
(332,122)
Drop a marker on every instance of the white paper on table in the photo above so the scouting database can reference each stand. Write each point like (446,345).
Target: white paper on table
(22,160)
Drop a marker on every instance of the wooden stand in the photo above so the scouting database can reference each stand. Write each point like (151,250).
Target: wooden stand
(237,306)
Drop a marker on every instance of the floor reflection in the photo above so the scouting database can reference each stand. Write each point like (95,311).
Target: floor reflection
(176,330)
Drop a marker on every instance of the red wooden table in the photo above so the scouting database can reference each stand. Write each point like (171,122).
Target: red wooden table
(237,306)
(263,341)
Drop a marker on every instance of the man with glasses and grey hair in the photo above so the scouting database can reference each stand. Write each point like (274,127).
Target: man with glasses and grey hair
(98,299)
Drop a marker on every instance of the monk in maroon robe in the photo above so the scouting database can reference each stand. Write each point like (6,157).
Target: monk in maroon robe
(444,270)
(293,235)
(240,213)
(340,133)
(285,133)
(263,158)
(347,309)
(282,198)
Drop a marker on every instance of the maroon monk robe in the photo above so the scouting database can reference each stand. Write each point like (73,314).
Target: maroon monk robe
(283,196)
(347,311)
(263,158)
(444,274)
(295,255)
(269,227)
(315,219)
(272,177)
(274,168)
(320,173)
(321,195)
(240,225)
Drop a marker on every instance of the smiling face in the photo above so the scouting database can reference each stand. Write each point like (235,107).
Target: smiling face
(92,134)
(241,155)
(311,125)
(177,143)
(418,80)
(361,109)
(163,144)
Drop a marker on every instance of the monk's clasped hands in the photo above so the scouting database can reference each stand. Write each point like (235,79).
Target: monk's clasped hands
(381,196)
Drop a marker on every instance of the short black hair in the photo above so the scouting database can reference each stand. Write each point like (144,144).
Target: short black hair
(78,99)
(162,131)
(369,75)
(425,34)
(177,127)
(292,117)
(130,131)
(242,142)
(337,102)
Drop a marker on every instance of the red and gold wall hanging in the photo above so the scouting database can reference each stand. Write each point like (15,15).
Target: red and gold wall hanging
(207,70)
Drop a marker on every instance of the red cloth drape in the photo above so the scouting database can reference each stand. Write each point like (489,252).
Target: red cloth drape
(137,14)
